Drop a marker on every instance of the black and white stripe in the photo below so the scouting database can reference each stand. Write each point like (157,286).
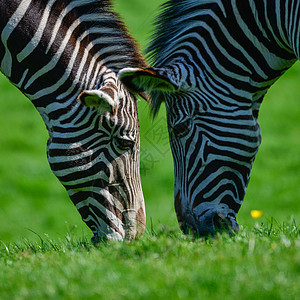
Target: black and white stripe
(214,60)
(59,51)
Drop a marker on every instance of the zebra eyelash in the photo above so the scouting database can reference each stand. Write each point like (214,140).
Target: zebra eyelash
(182,129)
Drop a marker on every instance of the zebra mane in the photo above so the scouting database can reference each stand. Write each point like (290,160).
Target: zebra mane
(167,25)
(111,26)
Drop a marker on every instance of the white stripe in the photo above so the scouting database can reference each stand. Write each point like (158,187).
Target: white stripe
(116,221)
(6,64)
(295,38)
(52,64)
(38,34)
(59,21)
(103,192)
(20,83)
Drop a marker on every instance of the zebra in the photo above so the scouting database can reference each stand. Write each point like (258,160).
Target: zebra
(64,55)
(213,62)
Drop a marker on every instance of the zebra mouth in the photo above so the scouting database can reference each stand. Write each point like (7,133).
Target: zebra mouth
(98,238)
(210,224)
(223,223)
(132,224)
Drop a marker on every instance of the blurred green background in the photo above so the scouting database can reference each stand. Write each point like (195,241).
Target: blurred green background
(32,199)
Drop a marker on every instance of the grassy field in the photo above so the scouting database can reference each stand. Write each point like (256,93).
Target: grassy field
(263,263)
(44,245)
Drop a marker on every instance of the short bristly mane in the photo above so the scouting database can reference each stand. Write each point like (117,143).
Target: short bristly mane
(125,49)
(167,26)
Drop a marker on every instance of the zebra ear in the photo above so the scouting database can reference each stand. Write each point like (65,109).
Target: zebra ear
(102,99)
(147,80)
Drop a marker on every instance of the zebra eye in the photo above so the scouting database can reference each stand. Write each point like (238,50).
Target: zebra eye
(124,144)
(182,129)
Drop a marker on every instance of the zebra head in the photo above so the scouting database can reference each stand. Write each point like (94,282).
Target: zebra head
(94,152)
(66,62)
(214,62)
(213,146)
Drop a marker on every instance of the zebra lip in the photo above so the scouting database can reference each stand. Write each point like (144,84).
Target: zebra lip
(96,239)
(222,223)
(101,236)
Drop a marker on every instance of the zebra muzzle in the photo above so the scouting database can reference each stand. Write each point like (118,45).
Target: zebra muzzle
(209,224)
(224,223)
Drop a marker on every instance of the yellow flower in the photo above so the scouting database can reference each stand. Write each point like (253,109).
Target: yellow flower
(273,246)
(256,214)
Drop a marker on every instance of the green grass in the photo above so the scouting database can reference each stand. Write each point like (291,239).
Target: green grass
(44,246)
(263,263)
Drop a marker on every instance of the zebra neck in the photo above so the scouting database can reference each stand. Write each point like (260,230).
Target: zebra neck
(54,92)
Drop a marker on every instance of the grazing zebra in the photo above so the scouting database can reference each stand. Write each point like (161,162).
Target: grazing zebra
(214,62)
(58,52)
